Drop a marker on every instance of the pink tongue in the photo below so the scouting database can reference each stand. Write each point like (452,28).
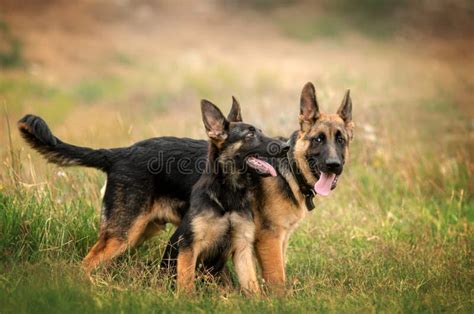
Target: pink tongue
(261,166)
(323,186)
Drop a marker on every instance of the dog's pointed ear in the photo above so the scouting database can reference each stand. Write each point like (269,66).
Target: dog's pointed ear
(214,121)
(235,115)
(309,109)
(345,110)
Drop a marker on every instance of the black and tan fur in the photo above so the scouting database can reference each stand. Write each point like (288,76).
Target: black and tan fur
(320,144)
(140,197)
(223,201)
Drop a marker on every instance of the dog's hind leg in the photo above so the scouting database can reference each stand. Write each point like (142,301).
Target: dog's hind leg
(111,244)
(125,216)
(104,250)
(151,230)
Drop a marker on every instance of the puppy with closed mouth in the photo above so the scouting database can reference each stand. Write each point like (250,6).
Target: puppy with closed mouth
(220,218)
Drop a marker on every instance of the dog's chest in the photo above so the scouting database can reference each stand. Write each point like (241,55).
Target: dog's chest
(288,215)
(241,227)
(279,211)
(209,229)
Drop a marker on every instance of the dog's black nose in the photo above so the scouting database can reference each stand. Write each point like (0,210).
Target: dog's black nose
(333,165)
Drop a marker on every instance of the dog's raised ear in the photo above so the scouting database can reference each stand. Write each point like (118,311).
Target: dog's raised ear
(345,112)
(235,115)
(309,109)
(214,121)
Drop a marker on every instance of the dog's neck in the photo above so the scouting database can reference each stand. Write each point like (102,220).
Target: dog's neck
(225,173)
(288,167)
(230,191)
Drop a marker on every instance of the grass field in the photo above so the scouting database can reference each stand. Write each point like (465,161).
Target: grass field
(397,234)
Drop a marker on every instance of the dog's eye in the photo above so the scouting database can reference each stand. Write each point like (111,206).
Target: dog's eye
(250,135)
(340,140)
(319,139)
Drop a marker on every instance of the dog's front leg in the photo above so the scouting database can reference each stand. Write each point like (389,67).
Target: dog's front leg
(186,269)
(243,254)
(246,270)
(269,251)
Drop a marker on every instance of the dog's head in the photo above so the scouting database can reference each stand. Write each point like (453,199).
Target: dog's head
(321,144)
(238,145)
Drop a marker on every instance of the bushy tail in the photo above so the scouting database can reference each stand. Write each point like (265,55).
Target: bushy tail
(37,133)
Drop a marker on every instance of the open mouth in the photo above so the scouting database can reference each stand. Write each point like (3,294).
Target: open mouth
(326,182)
(261,166)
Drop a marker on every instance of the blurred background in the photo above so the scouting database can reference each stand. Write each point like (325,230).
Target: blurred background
(112,72)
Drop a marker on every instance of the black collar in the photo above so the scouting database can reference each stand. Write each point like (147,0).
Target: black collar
(305,188)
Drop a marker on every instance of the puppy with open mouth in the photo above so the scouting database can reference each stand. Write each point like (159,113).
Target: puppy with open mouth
(219,222)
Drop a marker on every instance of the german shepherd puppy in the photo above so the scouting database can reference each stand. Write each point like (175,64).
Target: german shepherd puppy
(148,184)
(220,218)
(312,166)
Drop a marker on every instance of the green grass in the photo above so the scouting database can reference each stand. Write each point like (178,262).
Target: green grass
(405,252)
